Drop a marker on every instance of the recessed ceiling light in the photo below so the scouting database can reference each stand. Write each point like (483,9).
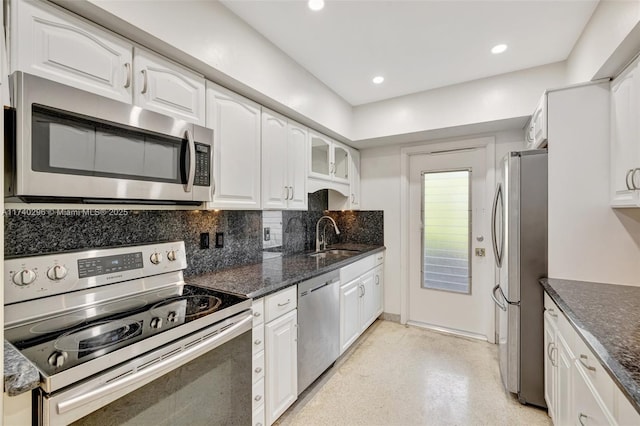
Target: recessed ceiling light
(499,48)
(316,5)
(378,79)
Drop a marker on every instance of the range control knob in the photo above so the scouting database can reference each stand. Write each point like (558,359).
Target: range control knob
(156,322)
(57,272)
(156,258)
(172,255)
(57,359)
(172,317)
(24,277)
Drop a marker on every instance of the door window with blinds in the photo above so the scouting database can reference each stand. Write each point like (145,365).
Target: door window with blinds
(446,230)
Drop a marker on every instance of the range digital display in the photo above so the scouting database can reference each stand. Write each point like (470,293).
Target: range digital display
(109,264)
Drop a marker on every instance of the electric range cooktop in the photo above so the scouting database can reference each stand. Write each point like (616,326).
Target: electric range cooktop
(58,343)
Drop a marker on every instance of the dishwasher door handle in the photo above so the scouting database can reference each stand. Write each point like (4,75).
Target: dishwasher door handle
(322,285)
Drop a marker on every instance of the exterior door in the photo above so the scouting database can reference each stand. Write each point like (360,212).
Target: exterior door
(450,277)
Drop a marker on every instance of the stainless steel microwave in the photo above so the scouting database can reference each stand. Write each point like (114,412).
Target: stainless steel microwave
(68,145)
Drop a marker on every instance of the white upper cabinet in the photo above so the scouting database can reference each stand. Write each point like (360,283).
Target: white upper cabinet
(236,125)
(297,153)
(284,163)
(168,88)
(354,179)
(625,142)
(58,46)
(275,188)
(329,159)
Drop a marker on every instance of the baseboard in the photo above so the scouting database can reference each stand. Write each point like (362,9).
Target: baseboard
(450,331)
(390,317)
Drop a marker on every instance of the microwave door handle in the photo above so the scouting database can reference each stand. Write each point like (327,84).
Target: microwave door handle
(192,162)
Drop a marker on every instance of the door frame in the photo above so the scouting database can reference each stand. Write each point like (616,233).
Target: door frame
(488,143)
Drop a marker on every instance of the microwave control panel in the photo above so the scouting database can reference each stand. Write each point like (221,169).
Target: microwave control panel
(203,165)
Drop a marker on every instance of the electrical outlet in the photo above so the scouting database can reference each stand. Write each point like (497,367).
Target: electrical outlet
(204,240)
(219,239)
(267,234)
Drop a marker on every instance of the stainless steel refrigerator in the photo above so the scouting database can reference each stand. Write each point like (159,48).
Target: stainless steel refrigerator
(519,234)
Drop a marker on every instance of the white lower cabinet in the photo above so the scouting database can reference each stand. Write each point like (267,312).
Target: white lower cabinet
(258,365)
(281,352)
(578,390)
(282,364)
(360,297)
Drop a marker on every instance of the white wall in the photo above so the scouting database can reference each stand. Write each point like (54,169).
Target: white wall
(490,99)
(610,24)
(380,180)
(588,240)
(209,38)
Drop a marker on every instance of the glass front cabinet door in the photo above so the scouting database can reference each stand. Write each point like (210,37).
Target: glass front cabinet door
(329,159)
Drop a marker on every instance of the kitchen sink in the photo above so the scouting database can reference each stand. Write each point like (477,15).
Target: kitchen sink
(335,253)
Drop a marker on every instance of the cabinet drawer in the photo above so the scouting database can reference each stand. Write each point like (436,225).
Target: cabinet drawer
(626,413)
(258,366)
(280,303)
(258,311)
(594,372)
(258,339)
(258,416)
(589,409)
(258,395)
(549,304)
(353,271)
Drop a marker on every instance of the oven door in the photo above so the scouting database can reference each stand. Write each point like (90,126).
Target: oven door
(83,147)
(204,378)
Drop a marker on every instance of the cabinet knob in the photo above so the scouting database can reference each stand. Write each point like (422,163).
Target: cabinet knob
(258,398)
(258,370)
(257,341)
(256,314)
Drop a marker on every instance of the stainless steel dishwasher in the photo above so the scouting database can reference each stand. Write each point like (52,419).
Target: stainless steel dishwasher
(318,326)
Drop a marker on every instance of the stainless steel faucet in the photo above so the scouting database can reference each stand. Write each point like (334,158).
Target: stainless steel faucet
(323,241)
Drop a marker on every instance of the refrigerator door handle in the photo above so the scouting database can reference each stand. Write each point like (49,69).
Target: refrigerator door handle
(507,300)
(495,299)
(497,250)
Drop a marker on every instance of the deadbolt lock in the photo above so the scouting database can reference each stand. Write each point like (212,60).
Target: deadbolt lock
(480,252)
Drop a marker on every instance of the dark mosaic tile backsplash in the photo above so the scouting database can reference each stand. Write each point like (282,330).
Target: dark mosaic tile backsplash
(53,230)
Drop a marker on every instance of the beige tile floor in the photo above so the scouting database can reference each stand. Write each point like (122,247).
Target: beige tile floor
(398,375)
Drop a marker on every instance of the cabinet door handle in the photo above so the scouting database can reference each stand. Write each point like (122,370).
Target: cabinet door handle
(554,350)
(256,314)
(127,82)
(291,196)
(549,350)
(145,82)
(286,193)
(552,313)
(582,416)
(584,364)
(285,303)
(630,186)
(633,178)
(257,342)
(377,279)
(258,398)
(258,370)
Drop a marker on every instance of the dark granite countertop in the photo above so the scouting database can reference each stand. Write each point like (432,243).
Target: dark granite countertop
(260,279)
(607,318)
(20,375)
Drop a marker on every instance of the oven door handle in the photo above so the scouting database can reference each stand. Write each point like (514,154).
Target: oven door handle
(140,378)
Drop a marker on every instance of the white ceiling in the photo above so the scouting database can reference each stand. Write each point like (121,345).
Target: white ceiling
(416,45)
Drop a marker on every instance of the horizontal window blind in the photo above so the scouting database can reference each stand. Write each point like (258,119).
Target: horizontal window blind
(446,231)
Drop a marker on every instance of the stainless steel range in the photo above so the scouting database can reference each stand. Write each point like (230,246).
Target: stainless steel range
(117,333)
